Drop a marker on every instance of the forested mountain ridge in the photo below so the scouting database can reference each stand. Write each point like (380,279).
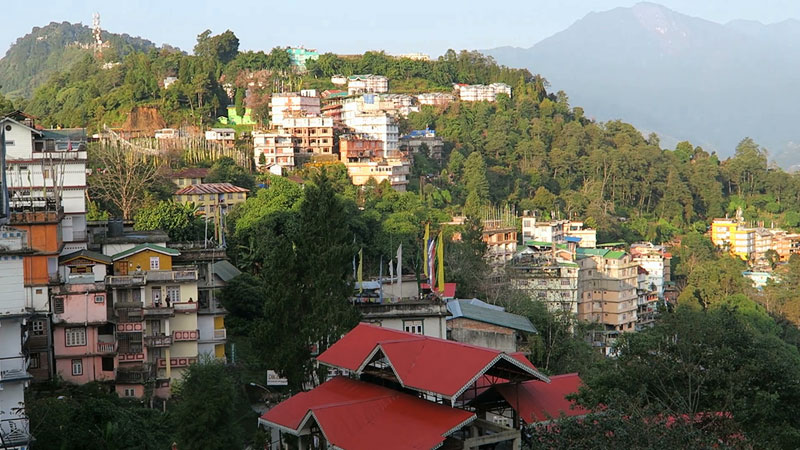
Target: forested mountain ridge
(54,48)
(682,77)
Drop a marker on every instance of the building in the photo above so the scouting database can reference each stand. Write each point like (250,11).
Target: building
(394,382)
(423,141)
(478,323)
(435,99)
(167,133)
(369,83)
(226,136)
(299,56)
(557,231)
(500,236)
(84,341)
(339,80)
(733,235)
(272,149)
(480,92)
(233,117)
(363,157)
(656,261)
(169,81)
(156,308)
(189,176)
(647,304)
(213,201)
(293,104)
(313,134)
(607,295)
(376,125)
(379,306)
(48,164)
(14,363)
(214,272)
(547,275)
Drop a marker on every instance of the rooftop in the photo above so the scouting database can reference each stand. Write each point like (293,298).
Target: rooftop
(210,188)
(482,312)
(535,401)
(84,254)
(143,247)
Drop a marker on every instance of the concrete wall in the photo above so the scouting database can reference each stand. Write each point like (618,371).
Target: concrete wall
(482,334)
(12,291)
(92,369)
(82,307)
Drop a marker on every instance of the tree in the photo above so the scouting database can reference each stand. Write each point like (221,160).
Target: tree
(179,220)
(122,177)
(6,106)
(222,47)
(208,408)
(225,170)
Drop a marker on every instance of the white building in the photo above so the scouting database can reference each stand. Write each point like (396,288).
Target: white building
(656,261)
(557,231)
(51,164)
(377,125)
(339,80)
(435,98)
(293,104)
(361,84)
(221,134)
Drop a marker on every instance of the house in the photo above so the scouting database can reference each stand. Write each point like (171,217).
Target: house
(500,236)
(369,83)
(396,381)
(313,134)
(169,81)
(655,260)
(233,117)
(418,140)
(213,201)
(363,157)
(339,80)
(478,323)
(435,99)
(480,92)
(84,341)
(156,308)
(224,135)
(167,133)
(275,149)
(189,176)
(48,165)
(293,104)
(375,124)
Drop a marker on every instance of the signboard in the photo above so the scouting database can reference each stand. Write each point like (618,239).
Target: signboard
(273,379)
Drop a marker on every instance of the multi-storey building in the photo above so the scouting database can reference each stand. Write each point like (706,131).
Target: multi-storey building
(362,84)
(364,160)
(272,149)
(418,140)
(299,56)
(314,133)
(480,92)
(213,200)
(500,236)
(377,125)
(84,341)
(548,276)
(14,376)
(655,260)
(48,165)
(607,292)
(647,303)
(557,231)
(189,176)
(293,104)
(156,307)
(436,99)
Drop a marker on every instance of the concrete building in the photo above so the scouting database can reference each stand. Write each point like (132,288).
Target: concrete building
(435,99)
(48,164)
(376,125)
(189,176)
(480,92)
(84,342)
(369,83)
(478,323)
(299,56)
(226,136)
(647,303)
(655,260)
(339,80)
(425,316)
(156,307)
(364,160)
(500,236)
(313,134)
(557,231)
(272,149)
(607,283)
(425,140)
(293,104)
(213,201)
(547,276)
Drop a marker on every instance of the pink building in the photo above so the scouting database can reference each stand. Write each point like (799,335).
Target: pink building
(83,339)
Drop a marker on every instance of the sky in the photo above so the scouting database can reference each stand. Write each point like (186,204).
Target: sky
(429,27)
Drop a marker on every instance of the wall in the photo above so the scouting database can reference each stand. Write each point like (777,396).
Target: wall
(431,326)
(12,292)
(81,307)
(92,370)
(23,142)
(142,259)
(10,338)
(482,334)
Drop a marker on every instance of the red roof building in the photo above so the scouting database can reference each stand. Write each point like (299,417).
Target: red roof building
(539,402)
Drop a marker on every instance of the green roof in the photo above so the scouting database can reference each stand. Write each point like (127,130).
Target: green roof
(615,255)
(612,244)
(225,270)
(474,310)
(544,244)
(582,251)
(142,247)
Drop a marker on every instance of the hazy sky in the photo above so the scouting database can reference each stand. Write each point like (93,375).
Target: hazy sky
(430,26)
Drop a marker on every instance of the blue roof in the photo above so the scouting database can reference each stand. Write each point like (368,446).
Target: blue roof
(421,133)
(572,239)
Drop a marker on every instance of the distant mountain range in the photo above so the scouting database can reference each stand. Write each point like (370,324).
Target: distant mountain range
(54,48)
(682,77)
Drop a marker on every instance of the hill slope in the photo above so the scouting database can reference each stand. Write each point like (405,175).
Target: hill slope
(680,76)
(54,48)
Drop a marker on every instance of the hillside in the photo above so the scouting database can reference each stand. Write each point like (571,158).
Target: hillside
(54,48)
(680,76)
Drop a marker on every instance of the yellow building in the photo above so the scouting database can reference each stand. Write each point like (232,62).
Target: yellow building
(731,233)
(213,200)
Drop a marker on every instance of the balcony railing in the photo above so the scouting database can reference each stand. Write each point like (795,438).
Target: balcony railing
(161,340)
(106,345)
(220,333)
(15,431)
(185,335)
(172,275)
(125,280)
(185,307)
(158,311)
(13,368)
(133,376)
(177,362)
(127,356)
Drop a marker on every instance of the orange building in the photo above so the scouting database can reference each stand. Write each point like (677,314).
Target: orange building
(354,148)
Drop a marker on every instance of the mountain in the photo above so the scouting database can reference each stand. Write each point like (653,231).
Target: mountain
(33,58)
(682,77)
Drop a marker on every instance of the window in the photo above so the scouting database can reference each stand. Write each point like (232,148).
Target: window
(155,263)
(38,327)
(47,174)
(35,362)
(173,293)
(130,392)
(230,196)
(39,291)
(77,367)
(99,298)
(413,326)
(58,305)
(9,143)
(108,364)
(241,195)
(565,282)
(75,336)
(156,296)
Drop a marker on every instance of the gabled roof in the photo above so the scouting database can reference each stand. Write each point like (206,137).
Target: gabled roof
(469,309)
(357,415)
(85,254)
(9,119)
(225,270)
(535,401)
(143,247)
(211,188)
(425,364)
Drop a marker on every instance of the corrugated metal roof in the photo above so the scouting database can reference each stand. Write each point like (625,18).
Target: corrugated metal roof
(225,270)
(211,188)
(98,257)
(535,401)
(358,415)
(615,254)
(143,247)
(469,309)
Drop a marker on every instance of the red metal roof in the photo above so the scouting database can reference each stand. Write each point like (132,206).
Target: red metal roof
(535,401)
(449,289)
(424,363)
(211,188)
(357,415)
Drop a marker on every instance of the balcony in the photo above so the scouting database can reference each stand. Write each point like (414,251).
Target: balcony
(172,275)
(185,335)
(118,281)
(177,362)
(133,376)
(106,344)
(158,311)
(126,356)
(185,307)
(15,432)
(14,368)
(220,334)
(160,340)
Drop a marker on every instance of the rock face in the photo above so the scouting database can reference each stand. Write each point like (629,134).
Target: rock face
(682,77)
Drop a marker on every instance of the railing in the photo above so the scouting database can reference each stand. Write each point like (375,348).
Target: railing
(161,340)
(13,368)
(177,362)
(136,376)
(154,311)
(125,280)
(106,346)
(15,431)
(131,357)
(78,235)
(185,335)
(185,307)
(172,275)
(220,333)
